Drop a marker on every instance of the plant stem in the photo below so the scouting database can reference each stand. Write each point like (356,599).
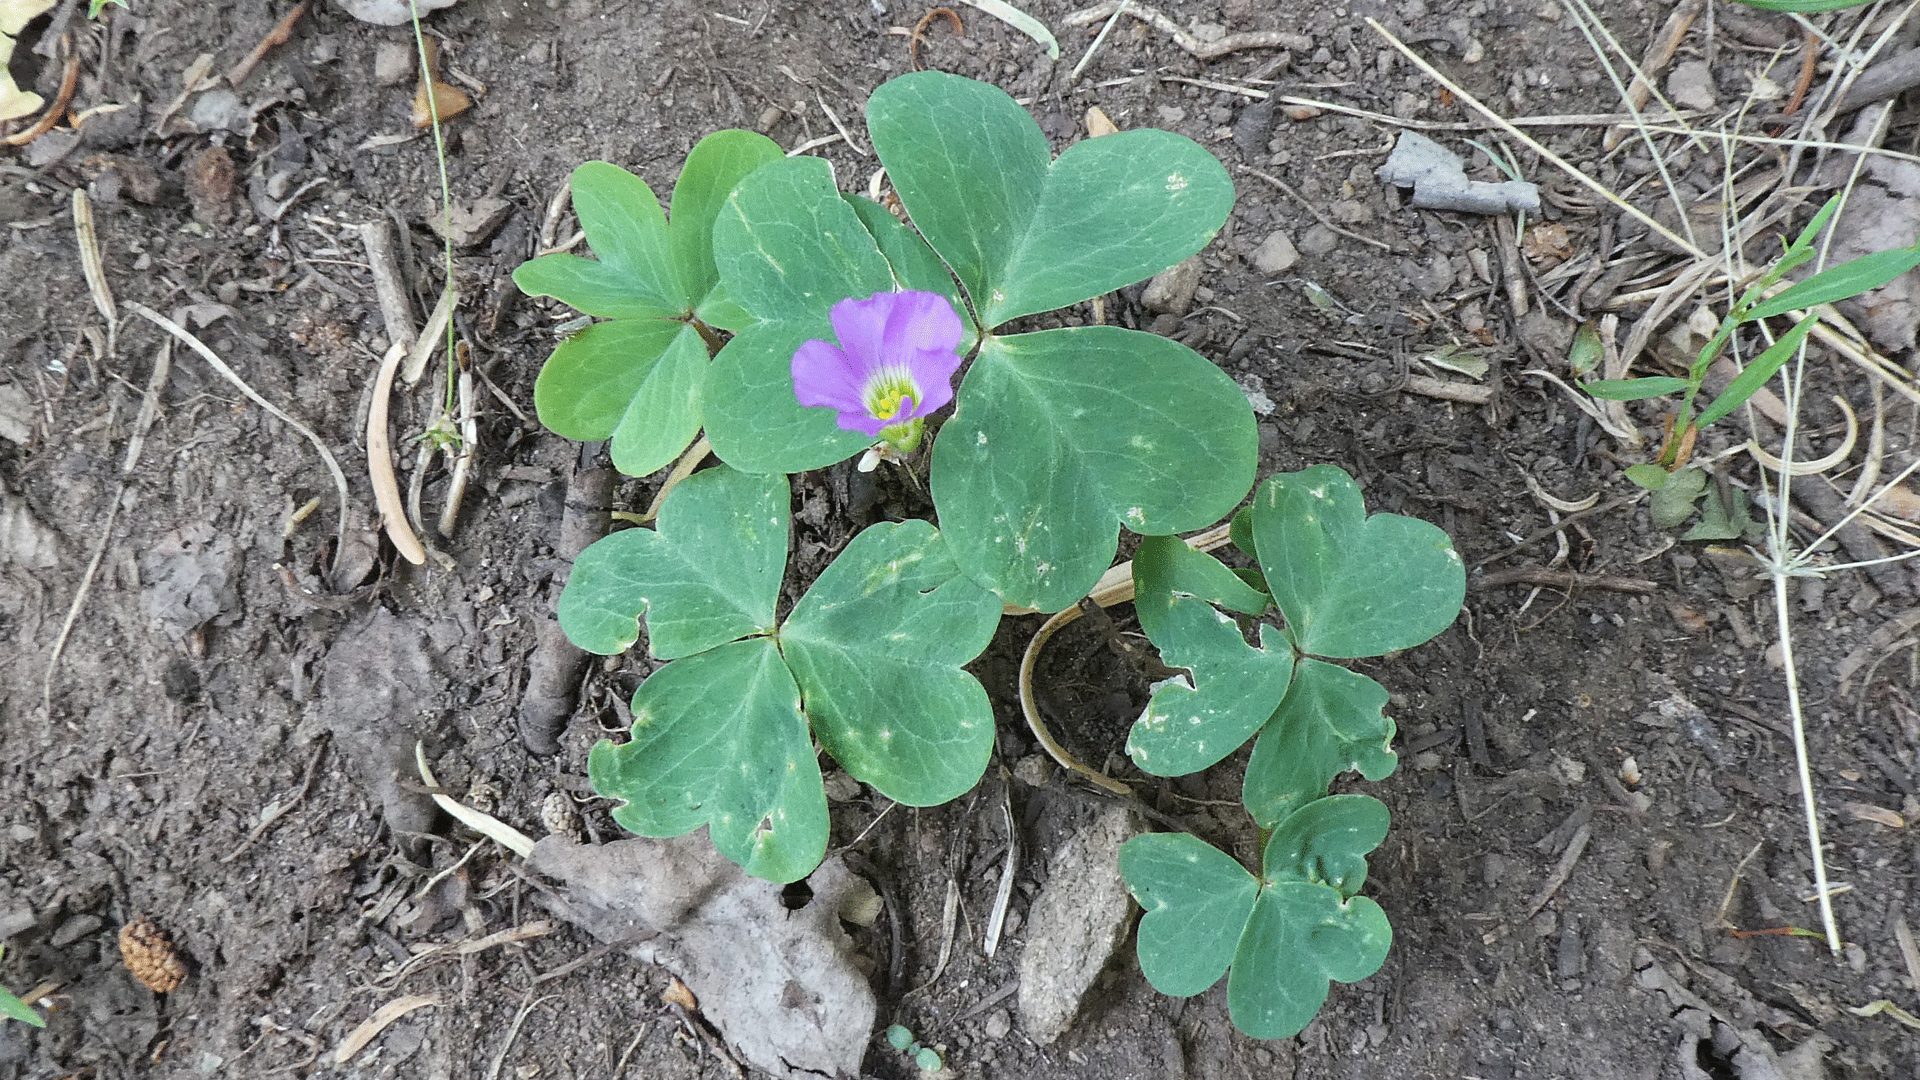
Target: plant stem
(1800,758)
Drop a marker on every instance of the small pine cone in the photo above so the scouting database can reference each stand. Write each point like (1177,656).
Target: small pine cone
(559,816)
(150,955)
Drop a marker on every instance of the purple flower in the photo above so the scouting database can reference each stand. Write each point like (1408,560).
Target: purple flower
(894,364)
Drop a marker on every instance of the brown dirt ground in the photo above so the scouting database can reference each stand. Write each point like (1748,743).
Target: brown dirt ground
(195,696)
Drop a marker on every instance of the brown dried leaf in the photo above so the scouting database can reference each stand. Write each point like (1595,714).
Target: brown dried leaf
(1879,815)
(1547,244)
(447,101)
(677,993)
(450,101)
(210,177)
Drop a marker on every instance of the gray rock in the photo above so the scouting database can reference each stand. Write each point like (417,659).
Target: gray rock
(1276,254)
(1076,923)
(1690,85)
(1171,290)
(393,62)
(389,12)
(1318,240)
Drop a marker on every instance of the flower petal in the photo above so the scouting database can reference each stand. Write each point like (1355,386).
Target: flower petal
(922,322)
(825,376)
(861,326)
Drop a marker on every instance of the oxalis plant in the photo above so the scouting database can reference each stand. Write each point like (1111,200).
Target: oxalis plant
(799,327)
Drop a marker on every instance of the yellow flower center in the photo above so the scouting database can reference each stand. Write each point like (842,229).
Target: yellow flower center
(888,390)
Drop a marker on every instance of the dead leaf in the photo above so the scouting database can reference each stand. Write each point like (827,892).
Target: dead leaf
(677,993)
(781,986)
(447,101)
(210,176)
(1547,244)
(1879,815)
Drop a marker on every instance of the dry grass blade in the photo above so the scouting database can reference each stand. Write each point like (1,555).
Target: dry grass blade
(91,266)
(369,1029)
(386,486)
(485,824)
(219,365)
(997,918)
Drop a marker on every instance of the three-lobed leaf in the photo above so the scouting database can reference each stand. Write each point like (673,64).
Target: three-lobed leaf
(1351,585)
(636,379)
(1331,721)
(1283,935)
(709,572)
(719,740)
(1028,233)
(869,661)
(877,643)
(1235,685)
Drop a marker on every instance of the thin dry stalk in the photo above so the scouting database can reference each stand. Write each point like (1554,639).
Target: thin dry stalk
(91,266)
(149,410)
(213,360)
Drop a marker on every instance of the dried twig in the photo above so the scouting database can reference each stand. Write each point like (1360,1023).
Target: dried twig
(1204,50)
(1534,145)
(1315,211)
(387,287)
(1114,587)
(920,32)
(1561,870)
(68,80)
(279,35)
(1562,579)
(219,365)
(527,1005)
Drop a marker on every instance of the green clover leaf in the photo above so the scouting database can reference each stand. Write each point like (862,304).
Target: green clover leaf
(635,379)
(1027,233)
(1331,721)
(1281,937)
(869,662)
(1347,585)
(1061,437)
(1185,729)
(1350,585)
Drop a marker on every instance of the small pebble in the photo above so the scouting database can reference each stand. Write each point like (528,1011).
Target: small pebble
(1276,254)
(1690,85)
(997,1024)
(393,62)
